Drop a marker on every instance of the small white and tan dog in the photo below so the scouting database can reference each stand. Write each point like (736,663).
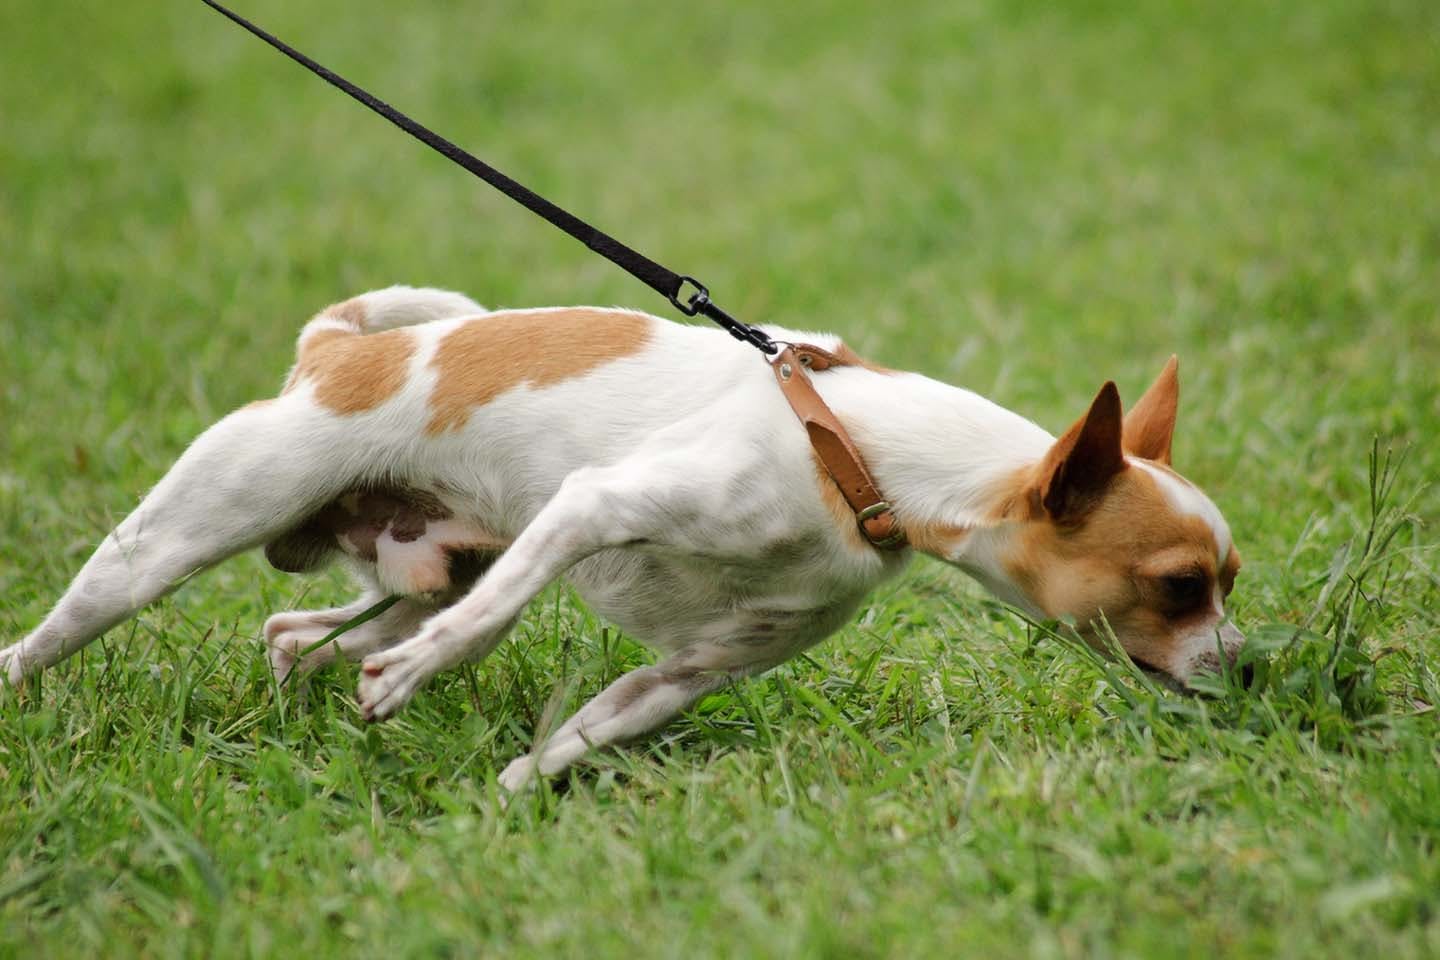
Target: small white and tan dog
(465,459)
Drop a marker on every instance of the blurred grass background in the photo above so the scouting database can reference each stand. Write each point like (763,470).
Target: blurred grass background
(1022,198)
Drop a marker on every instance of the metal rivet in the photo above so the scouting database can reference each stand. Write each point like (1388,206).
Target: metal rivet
(784,371)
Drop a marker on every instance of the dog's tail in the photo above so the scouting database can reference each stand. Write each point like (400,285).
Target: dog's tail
(376,311)
(389,308)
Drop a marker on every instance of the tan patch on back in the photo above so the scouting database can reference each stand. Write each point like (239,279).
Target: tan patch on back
(354,373)
(489,355)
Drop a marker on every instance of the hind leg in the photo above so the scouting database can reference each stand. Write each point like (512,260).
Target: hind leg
(243,481)
(290,634)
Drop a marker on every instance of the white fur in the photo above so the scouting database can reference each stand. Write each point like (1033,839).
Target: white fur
(674,488)
(1186,498)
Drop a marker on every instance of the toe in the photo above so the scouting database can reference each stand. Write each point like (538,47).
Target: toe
(518,774)
(10,665)
(382,691)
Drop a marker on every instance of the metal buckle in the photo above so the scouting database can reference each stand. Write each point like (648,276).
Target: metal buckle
(874,510)
(698,299)
(700,302)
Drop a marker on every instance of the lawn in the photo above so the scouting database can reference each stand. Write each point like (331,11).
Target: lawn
(1023,198)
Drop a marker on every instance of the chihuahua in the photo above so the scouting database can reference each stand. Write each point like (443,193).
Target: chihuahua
(461,460)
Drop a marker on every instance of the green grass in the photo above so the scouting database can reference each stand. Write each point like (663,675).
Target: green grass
(1023,198)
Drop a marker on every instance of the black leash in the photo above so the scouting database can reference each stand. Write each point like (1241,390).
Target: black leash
(666,282)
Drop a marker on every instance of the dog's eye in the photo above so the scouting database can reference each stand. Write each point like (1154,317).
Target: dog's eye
(1185,591)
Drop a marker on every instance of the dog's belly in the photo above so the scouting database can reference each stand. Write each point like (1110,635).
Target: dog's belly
(768,591)
(670,603)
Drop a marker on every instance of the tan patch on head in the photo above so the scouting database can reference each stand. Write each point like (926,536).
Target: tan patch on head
(353,373)
(484,357)
(1016,496)
(1106,564)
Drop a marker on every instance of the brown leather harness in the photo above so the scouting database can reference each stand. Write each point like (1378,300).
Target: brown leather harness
(831,442)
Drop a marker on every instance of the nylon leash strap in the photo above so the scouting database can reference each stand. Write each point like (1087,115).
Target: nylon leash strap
(832,445)
(669,284)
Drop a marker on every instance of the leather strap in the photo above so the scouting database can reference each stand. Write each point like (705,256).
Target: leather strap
(832,443)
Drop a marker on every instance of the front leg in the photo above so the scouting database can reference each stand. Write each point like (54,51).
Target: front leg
(643,700)
(595,508)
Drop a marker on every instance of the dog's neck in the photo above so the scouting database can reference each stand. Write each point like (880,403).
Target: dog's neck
(942,455)
(947,458)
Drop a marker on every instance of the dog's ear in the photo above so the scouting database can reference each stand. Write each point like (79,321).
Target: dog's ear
(1084,460)
(1150,424)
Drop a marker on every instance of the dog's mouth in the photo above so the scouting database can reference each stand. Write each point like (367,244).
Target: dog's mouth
(1163,677)
(1176,685)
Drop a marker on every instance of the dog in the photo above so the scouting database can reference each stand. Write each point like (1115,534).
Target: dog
(462,460)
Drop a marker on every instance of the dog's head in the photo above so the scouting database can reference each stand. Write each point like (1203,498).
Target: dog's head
(1110,537)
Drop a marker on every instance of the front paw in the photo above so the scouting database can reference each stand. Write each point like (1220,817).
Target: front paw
(518,775)
(389,679)
(12,667)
